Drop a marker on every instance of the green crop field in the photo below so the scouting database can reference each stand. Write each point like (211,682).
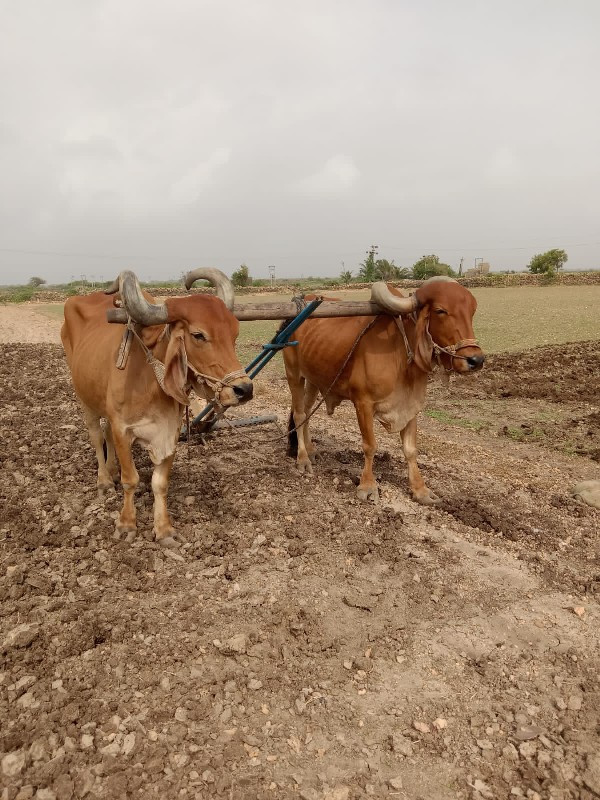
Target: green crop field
(523,317)
(516,318)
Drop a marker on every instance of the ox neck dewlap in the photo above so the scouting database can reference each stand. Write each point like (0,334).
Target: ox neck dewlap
(216,385)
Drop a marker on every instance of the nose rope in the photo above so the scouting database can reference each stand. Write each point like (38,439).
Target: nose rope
(451,349)
(215,384)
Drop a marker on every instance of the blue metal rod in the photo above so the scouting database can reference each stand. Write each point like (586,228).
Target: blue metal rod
(267,353)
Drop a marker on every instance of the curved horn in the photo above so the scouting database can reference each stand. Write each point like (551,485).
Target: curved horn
(381,295)
(223,286)
(113,288)
(134,302)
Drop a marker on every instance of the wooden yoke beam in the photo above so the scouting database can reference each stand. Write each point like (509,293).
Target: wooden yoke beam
(255,311)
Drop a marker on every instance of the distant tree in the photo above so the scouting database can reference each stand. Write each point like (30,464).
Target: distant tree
(241,277)
(388,271)
(345,276)
(35,282)
(368,269)
(548,263)
(429,266)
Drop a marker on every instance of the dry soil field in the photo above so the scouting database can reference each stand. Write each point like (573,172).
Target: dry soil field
(302,644)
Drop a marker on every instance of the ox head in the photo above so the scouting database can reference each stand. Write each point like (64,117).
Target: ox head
(444,310)
(201,332)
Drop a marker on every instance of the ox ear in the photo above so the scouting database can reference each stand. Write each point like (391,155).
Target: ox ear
(176,368)
(151,335)
(423,341)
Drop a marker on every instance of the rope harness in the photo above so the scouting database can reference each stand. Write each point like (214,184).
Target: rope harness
(216,385)
(299,302)
(157,366)
(331,385)
(451,350)
(400,323)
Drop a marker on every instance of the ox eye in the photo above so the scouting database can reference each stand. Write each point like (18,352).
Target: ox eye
(440,311)
(200,337)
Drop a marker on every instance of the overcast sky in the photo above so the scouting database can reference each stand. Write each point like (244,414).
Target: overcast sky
(161,136)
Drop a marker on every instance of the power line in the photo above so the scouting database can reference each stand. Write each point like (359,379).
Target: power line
(114,257)
(79,255)
(482,247)
(131,257)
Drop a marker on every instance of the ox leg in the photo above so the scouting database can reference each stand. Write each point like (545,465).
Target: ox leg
(299,413)
(310,395)
(163,530)
(92,421)
(130,480)
(111,457)
(420,492)
(367,488)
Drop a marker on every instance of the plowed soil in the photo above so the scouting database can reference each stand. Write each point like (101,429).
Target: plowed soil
(302,644)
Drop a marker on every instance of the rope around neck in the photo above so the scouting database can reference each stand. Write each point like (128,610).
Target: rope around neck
(331,385)
(216,385)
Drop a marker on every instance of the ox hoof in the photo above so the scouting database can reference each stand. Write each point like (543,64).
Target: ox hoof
(428,499)
(169,543)
(126,531)
(304,467)
(368,493)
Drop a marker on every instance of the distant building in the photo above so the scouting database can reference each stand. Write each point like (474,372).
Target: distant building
(482,268)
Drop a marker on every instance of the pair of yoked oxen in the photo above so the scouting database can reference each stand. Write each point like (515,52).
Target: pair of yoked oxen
(188,343)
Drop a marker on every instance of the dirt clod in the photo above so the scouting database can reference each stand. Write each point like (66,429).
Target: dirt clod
(21,636)
(13,763)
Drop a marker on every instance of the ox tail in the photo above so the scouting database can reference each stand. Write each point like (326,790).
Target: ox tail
(292,450)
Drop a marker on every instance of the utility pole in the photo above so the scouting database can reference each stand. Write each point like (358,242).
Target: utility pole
(460,268)
(272,274)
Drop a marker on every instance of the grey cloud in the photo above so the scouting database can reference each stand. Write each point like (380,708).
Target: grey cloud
(162,136)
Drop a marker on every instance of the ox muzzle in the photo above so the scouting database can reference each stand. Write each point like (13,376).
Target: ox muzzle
(232,389)
(461,362)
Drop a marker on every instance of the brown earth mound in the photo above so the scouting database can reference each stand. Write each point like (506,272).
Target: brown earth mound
(548,396)
(559,373)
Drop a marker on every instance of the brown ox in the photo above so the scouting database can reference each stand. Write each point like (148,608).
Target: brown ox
(384,381)
(191,338)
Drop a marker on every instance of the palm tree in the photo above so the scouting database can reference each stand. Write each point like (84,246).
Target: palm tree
(388,271)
